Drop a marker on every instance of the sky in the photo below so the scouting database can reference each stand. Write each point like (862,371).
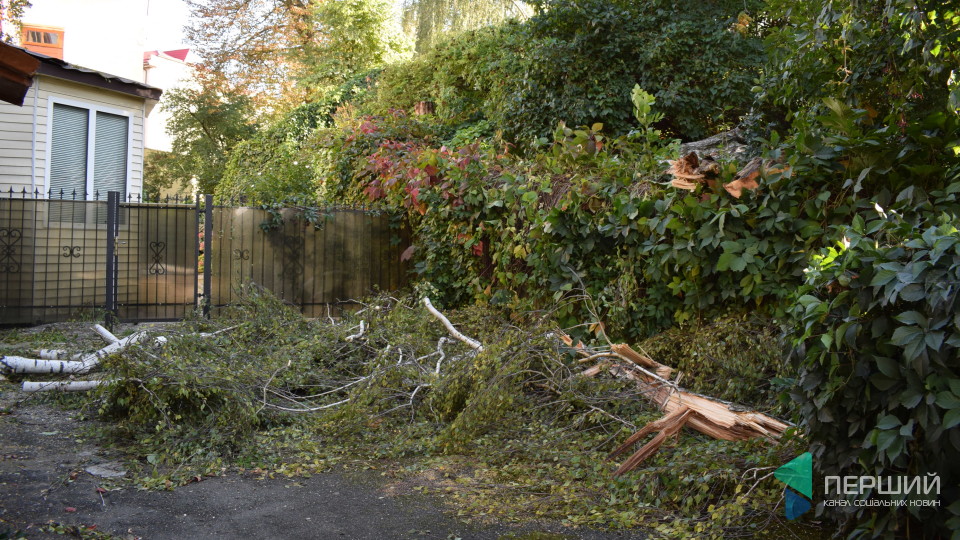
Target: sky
(165,20)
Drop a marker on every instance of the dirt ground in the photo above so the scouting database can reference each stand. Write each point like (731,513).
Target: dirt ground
(55,480)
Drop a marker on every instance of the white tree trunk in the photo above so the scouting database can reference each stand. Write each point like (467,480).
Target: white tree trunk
(18,364)
(105,334)
(61,386)
(472,343)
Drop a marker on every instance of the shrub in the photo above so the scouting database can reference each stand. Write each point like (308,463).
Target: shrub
(876,337)
(576,61)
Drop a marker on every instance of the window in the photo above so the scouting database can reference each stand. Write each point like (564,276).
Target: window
(43,39)
(89,152)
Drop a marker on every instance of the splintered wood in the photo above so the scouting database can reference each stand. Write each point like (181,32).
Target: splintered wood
(708,415)
(690,171)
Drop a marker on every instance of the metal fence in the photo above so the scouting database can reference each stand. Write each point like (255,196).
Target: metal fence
(63,257)
(321,265)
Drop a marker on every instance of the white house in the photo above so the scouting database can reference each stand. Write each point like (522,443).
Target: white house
(79,132)
(165,70)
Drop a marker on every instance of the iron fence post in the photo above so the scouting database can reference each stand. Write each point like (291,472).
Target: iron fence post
(113,212)
(207,251)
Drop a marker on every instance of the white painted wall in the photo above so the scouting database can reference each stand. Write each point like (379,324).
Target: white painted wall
(163,72)
(104,35)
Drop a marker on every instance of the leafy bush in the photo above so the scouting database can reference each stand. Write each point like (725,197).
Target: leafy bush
(576,61)
(877,337)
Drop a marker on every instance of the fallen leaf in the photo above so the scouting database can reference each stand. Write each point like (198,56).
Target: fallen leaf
(69,509)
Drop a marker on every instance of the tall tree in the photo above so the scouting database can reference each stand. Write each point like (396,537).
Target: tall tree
(246,46)
(205,125)
(426,21)
(350,37)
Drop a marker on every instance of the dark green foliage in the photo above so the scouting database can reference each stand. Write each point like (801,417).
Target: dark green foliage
(877,337)
(577,60)
(205,124)
(270,166)
(893,58)
(163,171)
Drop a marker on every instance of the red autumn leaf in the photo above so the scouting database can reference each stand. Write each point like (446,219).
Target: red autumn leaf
(69,509)
(408,253)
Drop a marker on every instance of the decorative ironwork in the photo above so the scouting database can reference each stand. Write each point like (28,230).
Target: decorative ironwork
(9,238)
(71,251)
(158,249)
(241,254)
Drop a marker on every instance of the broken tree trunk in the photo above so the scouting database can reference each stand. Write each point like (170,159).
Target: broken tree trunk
(18,364)
(61,386)
(708,415)
(106,334)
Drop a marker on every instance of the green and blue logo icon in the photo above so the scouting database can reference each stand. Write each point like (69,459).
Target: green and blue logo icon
(797,474)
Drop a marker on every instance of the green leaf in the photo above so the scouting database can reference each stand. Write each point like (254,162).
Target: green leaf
(934,340)
(730,246)
(951,419)
(913,293)
(905,335)
(912,317)
(946,400)
(882,277)
(885,439)
(723,263)
(738,264)
(888,366)
(888,422)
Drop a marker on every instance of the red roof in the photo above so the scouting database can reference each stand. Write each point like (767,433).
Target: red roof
(179,54)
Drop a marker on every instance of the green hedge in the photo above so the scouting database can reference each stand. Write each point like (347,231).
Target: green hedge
(876,340)
(576,61)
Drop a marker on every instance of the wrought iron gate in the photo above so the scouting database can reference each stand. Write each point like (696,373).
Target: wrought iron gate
(64,257)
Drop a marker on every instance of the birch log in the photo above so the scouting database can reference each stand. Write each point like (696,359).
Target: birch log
(61,386)
(106,334)
(18,364)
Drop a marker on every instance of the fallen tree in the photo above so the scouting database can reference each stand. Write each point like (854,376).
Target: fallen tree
(19,364)
(708,415)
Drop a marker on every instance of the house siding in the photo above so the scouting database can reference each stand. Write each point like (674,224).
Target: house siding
(17,136)
(16,127)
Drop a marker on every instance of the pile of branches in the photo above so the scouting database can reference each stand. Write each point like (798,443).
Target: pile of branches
(265,365)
